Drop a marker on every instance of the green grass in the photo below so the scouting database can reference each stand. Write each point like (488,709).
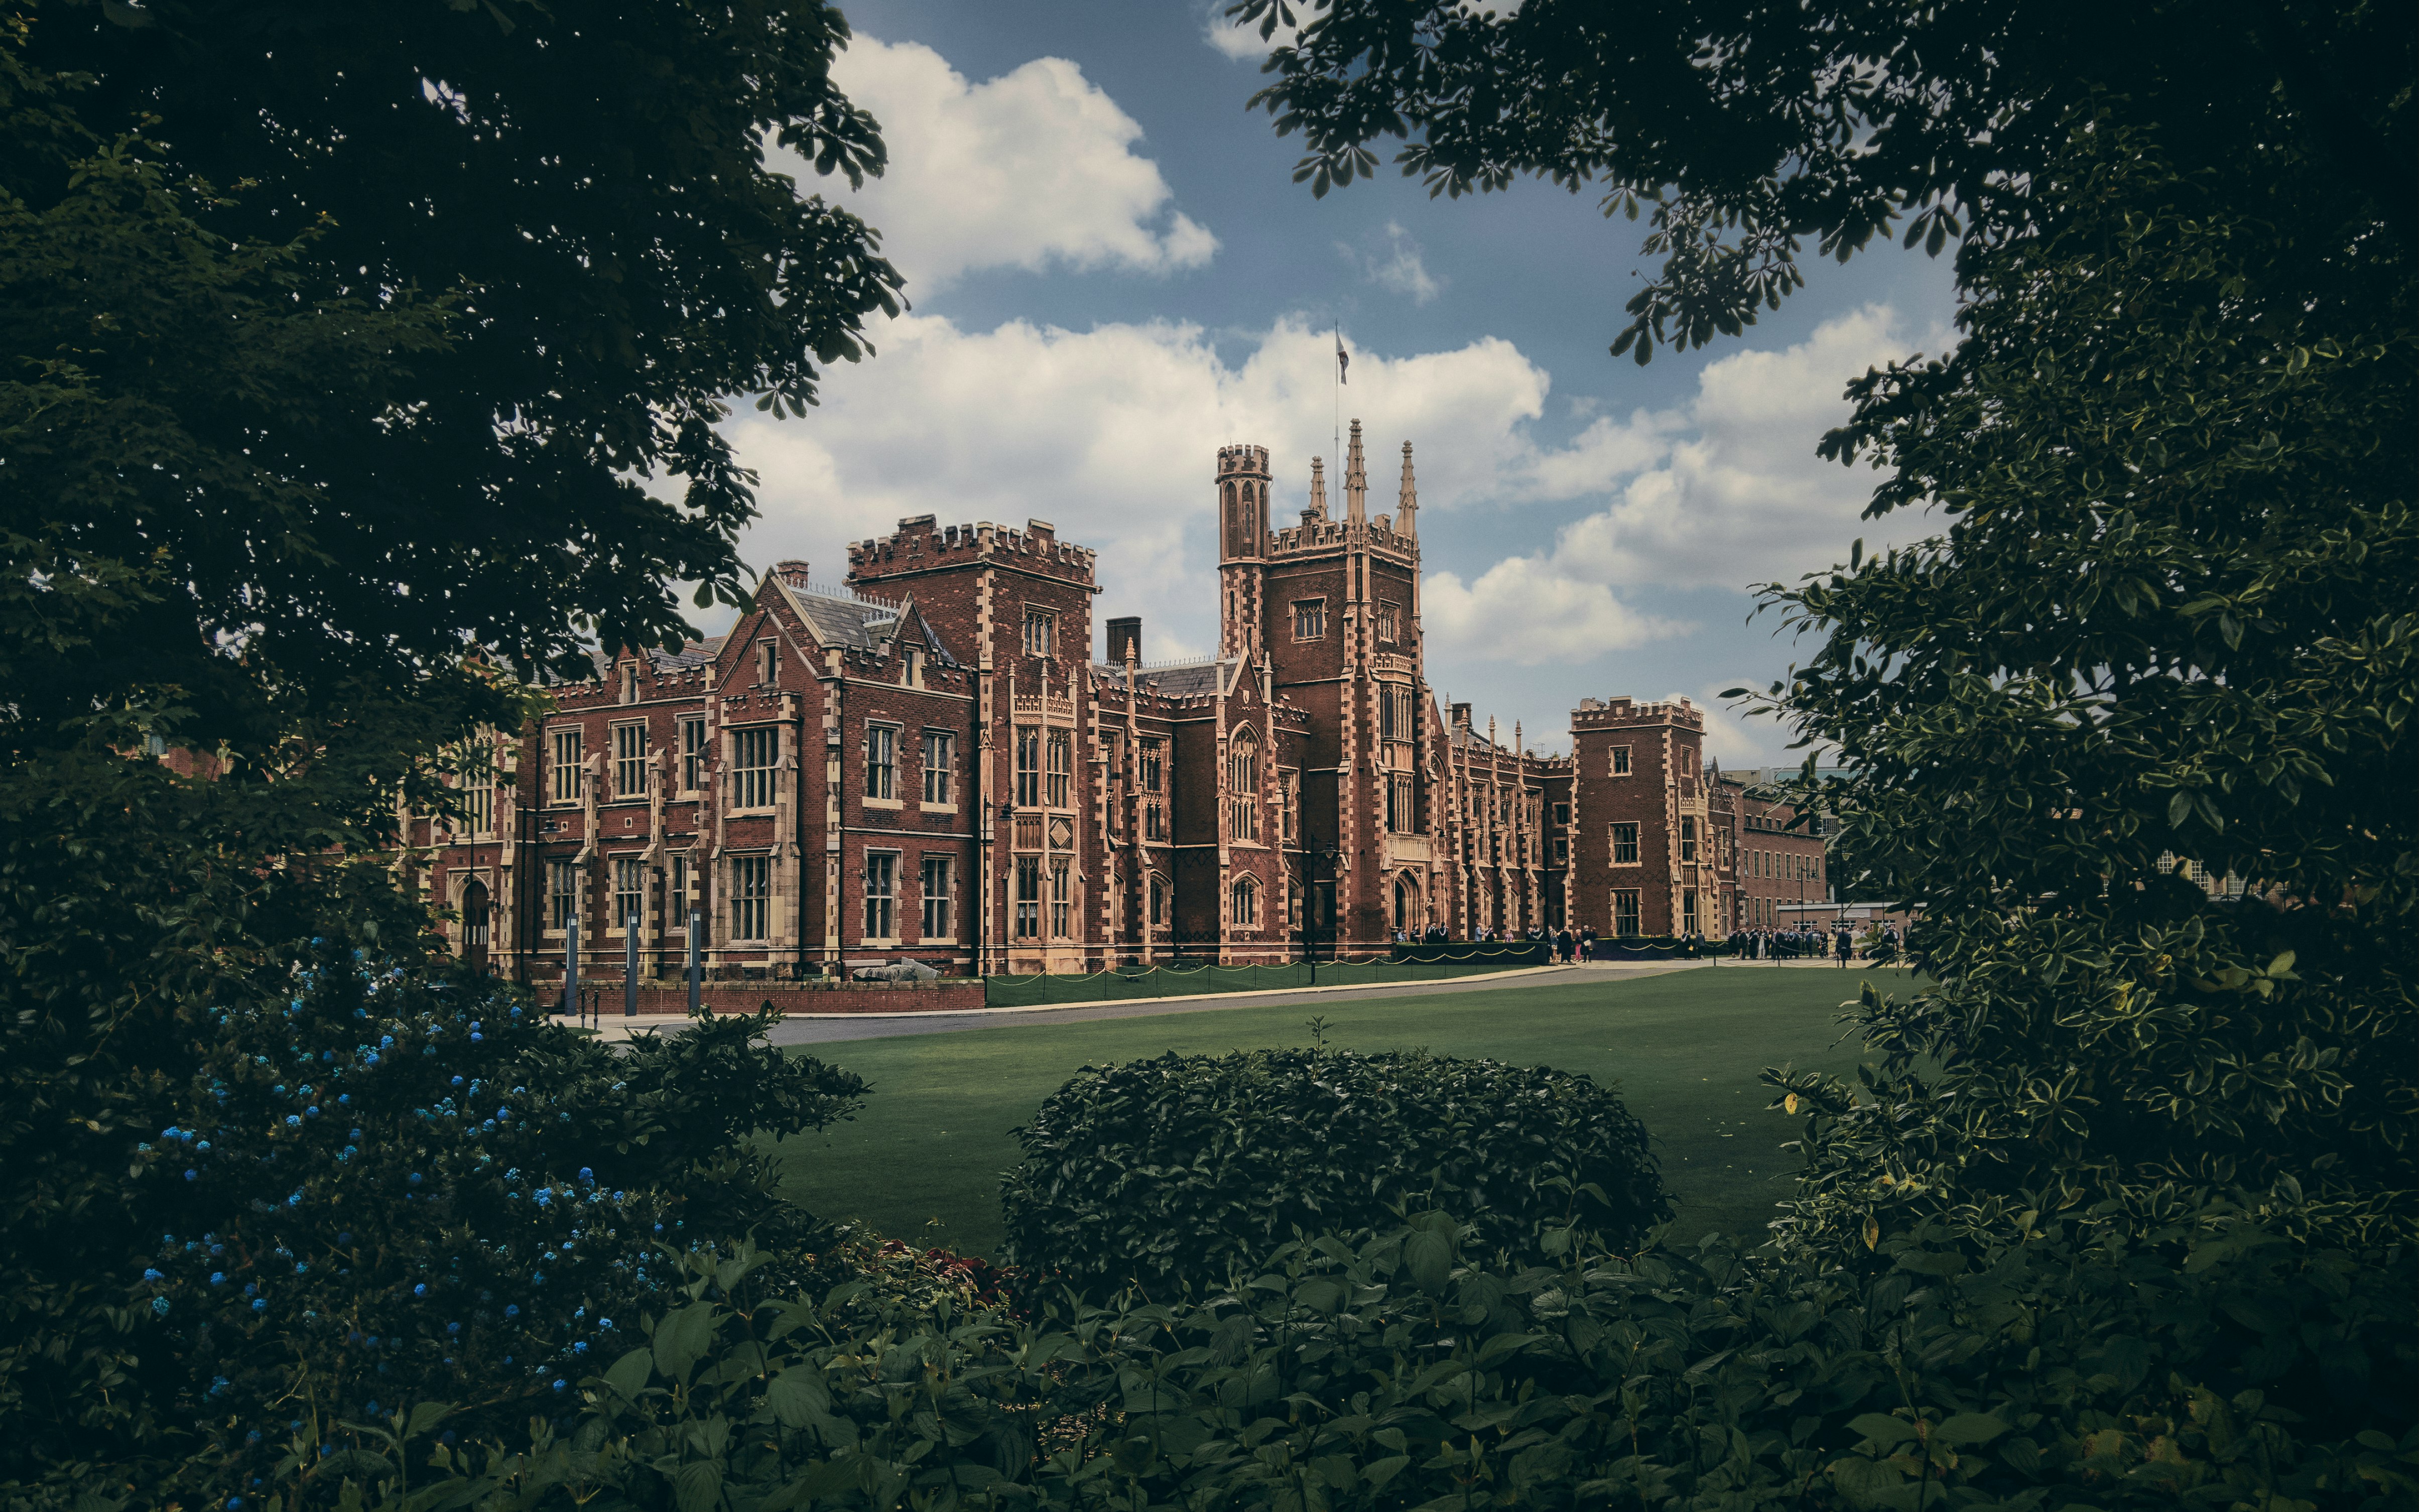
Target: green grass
(922,1161)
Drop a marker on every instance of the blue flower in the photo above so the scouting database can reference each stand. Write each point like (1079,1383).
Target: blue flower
(301,1268)
(150,1275)
(512,1309)
(420,1290)
(217,1278)
(204,1145)
(413,1179)
(458,1081)
(586,1175)
(580,1348)
(260,1304)
(159,1307)
(311,1112)
(604,1323)
(558,1381)
(347,1237)
(386,1041)
(294,1201)
(344,1099)
(293,1120)
(452,1328)
(476,1037)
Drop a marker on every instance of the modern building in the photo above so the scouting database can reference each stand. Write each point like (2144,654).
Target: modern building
(929,760)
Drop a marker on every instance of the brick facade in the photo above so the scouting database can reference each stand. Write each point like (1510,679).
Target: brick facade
(928,760)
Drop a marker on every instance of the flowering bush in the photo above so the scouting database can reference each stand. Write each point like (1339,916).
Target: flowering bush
(389,1189)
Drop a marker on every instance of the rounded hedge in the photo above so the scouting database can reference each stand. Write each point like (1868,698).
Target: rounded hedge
(1181,1169)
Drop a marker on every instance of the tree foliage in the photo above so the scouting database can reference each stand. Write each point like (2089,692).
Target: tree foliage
(1748,131)
(2170,617)
(1180,1171)
(350,359)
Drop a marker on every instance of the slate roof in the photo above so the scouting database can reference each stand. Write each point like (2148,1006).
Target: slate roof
(1195,679)
(858,624)
(691,654)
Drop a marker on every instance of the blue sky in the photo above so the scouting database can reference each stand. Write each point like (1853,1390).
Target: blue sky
(1112,273)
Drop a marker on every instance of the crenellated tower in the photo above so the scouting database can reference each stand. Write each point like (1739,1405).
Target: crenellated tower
(1242,545)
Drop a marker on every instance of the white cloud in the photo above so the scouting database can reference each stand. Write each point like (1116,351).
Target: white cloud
(1112,432)
(1725,490)
(1399,268)
(1241,43)
(1523,611)
(1033,169)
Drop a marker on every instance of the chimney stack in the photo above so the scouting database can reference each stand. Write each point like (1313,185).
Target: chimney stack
(1125,638)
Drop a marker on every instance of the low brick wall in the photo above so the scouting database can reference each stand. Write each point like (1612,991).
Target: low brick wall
(947,994)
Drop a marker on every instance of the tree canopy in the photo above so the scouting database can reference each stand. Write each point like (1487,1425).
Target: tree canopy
(1747,131)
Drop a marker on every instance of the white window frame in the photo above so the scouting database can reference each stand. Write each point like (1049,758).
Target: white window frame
(754,782)
(940,758)
(881,896)
(936,889)
(630,769)
(561,741)
(752,898)
(628,867)
(882,762)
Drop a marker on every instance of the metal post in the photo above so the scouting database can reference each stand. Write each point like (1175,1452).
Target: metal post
(570,966)
(696,969)
(630,969)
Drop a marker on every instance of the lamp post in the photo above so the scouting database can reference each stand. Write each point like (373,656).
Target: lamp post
(696,966)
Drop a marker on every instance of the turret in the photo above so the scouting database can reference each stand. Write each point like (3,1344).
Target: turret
(1356,482)
(1407,503)
(1243,501)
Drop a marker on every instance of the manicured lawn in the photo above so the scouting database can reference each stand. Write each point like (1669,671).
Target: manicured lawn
(922,1161)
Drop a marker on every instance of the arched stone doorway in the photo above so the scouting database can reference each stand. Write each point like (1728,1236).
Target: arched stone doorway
(477,917)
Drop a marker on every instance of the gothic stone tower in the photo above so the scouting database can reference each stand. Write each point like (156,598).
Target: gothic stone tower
(1243,540)
(1333,609)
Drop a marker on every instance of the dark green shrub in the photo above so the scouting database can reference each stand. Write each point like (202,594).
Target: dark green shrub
(1181,1169)
(1405,1373)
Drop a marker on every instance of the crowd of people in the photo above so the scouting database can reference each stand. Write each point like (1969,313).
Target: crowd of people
(1880,943)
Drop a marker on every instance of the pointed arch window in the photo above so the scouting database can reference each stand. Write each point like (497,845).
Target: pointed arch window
(1243,788)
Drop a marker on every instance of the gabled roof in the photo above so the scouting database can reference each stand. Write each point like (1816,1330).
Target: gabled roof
(858,624)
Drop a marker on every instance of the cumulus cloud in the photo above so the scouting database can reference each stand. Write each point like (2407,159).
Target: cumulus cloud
(1725,490)
(1034,169)
(1396,267)
(1112,434)
(1523,611)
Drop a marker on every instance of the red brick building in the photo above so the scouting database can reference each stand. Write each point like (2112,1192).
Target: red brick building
(927,759)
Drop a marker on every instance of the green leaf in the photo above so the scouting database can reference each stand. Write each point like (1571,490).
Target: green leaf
(799,1397)
(1969,1428)
(682,1339)
(1428,1257)
(1882,1428)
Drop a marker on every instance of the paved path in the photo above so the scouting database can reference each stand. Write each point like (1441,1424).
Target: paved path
(829,1029)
